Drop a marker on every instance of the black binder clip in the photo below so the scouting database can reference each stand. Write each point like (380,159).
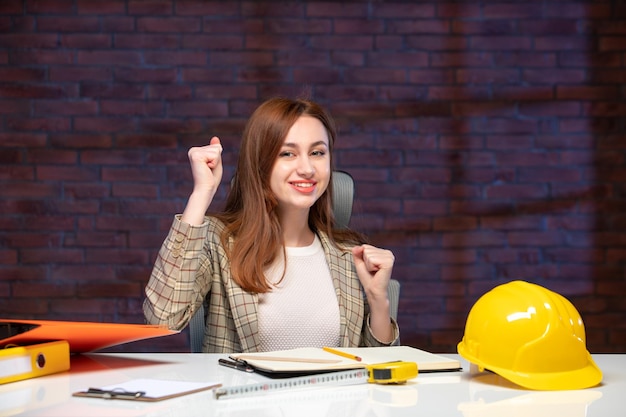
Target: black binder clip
(116,393)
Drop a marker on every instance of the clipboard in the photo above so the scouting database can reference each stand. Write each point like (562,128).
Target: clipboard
(148,390)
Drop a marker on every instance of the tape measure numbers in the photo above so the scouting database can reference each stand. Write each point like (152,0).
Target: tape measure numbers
(385,373)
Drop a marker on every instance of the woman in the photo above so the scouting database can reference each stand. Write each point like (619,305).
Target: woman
(275,272)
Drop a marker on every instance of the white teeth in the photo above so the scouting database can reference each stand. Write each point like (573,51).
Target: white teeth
(302,185)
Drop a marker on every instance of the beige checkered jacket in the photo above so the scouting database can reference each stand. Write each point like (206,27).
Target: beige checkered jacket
(192,265)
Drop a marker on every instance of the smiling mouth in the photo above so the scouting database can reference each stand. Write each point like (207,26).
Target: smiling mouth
(303,184)
(304,187)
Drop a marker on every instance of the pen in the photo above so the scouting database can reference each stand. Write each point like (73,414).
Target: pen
(340,353)
(238,365)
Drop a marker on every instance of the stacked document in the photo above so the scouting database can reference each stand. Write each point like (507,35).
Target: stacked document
(33,348)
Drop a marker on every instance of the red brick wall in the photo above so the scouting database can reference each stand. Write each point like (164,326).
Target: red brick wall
(487,140)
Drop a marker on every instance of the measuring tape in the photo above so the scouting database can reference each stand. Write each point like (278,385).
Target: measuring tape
(385,373)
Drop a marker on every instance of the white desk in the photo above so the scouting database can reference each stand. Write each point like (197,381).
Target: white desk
(436,394)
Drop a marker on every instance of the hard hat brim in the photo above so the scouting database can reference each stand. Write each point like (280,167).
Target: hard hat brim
(586,377)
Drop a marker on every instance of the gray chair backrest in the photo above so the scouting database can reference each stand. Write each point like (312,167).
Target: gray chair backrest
(343,197)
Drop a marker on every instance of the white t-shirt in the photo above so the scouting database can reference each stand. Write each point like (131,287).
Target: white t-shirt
(301,311)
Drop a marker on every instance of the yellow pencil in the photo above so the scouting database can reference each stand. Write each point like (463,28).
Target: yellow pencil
(340,353)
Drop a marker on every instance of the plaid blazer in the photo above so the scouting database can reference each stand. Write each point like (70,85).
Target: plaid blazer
(192,267)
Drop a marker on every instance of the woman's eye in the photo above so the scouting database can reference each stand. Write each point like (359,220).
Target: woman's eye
(286,154)
(318,153)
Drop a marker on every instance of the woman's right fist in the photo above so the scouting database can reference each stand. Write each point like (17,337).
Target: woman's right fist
(206,166)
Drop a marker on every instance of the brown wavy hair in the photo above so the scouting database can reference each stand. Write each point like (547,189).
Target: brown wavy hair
(250,214)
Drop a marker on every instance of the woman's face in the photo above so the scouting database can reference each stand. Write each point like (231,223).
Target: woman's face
(302,169)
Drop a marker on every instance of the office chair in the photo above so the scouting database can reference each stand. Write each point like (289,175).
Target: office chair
(343,196)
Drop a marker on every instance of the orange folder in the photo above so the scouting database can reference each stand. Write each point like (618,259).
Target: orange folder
(81,336)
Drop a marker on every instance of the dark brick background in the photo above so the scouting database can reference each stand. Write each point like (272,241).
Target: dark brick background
(487,139)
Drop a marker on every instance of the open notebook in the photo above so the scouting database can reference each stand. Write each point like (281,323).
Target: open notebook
(304,361)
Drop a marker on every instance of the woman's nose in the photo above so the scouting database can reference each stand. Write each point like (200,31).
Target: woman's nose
(305,167)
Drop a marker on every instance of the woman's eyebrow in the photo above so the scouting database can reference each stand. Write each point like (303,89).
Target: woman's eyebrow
(314,144)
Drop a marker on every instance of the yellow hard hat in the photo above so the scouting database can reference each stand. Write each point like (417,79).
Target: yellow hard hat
(531,336)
